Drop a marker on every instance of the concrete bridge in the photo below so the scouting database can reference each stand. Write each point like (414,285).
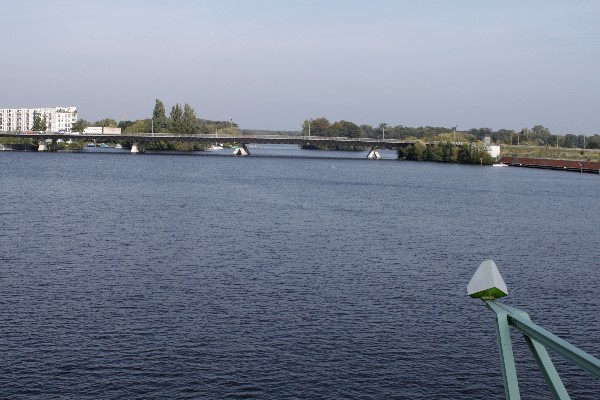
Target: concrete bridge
(139,140)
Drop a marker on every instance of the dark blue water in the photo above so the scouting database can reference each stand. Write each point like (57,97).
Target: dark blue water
(209,276)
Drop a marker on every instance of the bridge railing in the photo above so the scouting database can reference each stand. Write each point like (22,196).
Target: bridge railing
(208,137)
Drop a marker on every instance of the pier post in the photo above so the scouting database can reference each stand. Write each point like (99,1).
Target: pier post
(507,359)
(373,153)
(42,145)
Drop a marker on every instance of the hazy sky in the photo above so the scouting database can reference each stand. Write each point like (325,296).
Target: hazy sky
(270,64)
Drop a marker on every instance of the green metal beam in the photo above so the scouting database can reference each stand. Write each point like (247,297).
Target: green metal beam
(507,360)
(547,339)
(547,367)
(541,356)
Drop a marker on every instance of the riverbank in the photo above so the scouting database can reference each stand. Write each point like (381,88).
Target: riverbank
(551,153)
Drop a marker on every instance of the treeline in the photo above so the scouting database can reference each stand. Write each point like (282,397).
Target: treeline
(537,136)
(181,120)
(445,151)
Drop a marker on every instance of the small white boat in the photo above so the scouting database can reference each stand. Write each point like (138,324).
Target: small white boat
(214,147)
(118,146)
(499,165)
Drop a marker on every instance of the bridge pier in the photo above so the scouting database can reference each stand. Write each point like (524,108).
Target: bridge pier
(242,150)
(54,145)
(42,145)
(373,153)
(137,148)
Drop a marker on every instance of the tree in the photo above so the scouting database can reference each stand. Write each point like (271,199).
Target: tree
(474,153)
(159,122)
(447,151)
(540,135)
(106,122)
(367,131)
(593,142)
(505,136)
(481,133)
(318,127)
(345,129)
(80,125)
(139,126)
(176,118)
(124,124)
(523,136)
(39,123)
(189,122)
(415,152)
(434,153)
(570,141)
(420,151)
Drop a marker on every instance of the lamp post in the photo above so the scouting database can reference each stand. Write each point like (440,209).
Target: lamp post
(309,121)
(382,126)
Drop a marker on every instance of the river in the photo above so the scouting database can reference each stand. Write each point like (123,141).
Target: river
(286,274)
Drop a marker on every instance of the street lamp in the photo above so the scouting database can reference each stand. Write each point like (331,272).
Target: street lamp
(382,126)
(309,121)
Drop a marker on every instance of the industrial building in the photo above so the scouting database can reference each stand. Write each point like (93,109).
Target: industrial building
(58,119)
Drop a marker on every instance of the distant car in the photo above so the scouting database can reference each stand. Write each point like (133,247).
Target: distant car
(28,133)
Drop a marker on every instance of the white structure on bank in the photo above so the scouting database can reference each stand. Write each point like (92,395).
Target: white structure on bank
(493,151)
(21,119)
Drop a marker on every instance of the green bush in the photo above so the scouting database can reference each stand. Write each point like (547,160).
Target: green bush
(445,151)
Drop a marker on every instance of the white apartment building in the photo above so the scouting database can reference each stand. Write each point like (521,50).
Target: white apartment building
(21,119)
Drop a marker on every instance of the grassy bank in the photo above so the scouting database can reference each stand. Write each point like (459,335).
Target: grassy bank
(550,152)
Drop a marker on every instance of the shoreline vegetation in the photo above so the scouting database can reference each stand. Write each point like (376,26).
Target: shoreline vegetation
(537,142)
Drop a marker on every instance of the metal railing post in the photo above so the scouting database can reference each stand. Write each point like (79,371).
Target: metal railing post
(507,360)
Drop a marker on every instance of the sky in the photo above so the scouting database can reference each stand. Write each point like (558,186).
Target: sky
(271,64)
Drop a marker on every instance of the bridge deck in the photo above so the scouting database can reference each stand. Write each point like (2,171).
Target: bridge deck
(272,139)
